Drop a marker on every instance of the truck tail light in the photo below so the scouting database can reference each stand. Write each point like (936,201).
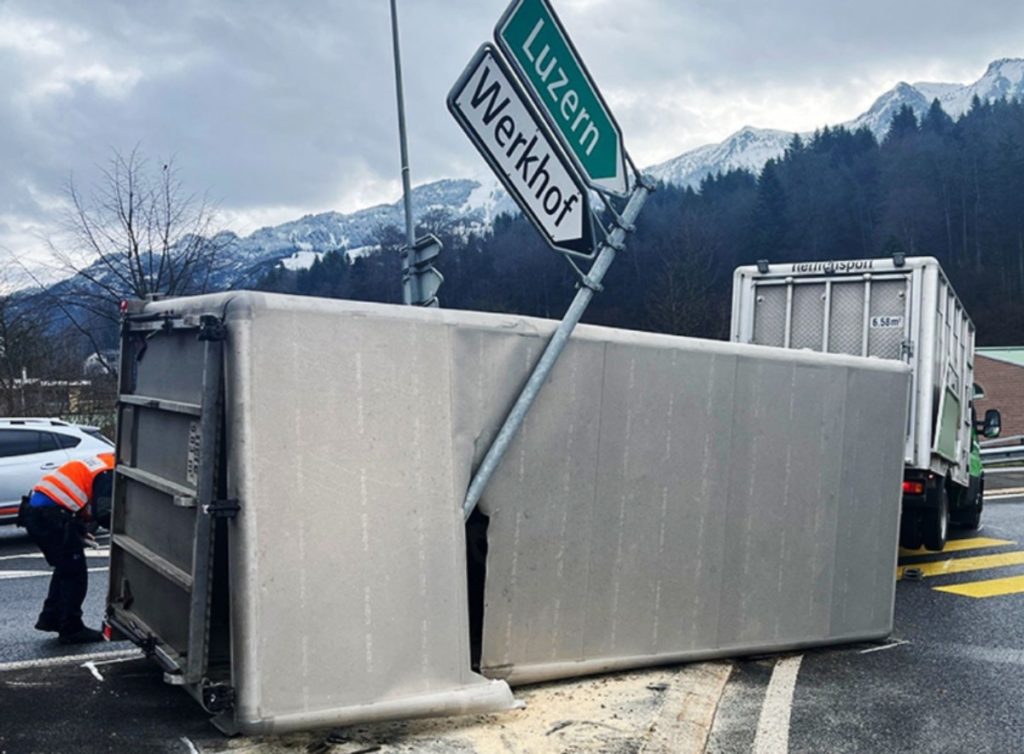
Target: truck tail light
(913,488)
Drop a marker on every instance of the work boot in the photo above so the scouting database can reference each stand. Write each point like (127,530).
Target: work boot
(46,623)
(81,636)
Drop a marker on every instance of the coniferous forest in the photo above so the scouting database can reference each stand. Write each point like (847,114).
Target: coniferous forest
(935,186)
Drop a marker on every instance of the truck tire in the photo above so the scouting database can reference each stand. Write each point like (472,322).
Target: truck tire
(970,517)
(910,530)
(935,521)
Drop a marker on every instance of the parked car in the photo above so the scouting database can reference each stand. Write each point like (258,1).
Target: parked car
(29,448)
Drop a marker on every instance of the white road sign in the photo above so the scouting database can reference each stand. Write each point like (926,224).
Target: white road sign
(498,117)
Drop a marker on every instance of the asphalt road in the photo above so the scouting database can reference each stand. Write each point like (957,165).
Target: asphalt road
(88,698)
(24,578)
(950,678)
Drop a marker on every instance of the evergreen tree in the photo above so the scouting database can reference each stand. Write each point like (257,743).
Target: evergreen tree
(950,189)
(936,120)
(903,124)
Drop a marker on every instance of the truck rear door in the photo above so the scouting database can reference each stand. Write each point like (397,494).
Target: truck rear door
(857,315)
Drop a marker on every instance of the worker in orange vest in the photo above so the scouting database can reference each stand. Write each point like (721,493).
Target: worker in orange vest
(57,516)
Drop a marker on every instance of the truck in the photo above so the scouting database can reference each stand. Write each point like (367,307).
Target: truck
(900,308)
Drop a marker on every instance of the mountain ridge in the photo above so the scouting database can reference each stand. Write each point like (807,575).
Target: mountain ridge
(469,206)
(1002,78)
(749,148)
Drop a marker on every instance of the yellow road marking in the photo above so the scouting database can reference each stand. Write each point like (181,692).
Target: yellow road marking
(963,565)
(986,588)
(957,545)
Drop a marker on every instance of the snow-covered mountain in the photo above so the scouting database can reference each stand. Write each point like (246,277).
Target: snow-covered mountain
(879,115)
(468,206)
(751,147)
(1004,78)
(465,205)
(471,206)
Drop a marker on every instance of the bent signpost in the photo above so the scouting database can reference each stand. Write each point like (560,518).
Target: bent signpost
(491,103)
(496,115)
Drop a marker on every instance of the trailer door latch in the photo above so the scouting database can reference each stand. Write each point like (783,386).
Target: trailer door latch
(222,508)
(212,328)
(218,697)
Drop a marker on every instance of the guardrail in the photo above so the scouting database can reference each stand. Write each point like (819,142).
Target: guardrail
(1011,440)
(1003,450)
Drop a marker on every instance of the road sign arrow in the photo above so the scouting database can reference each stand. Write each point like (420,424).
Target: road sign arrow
(548,64)
(497,116)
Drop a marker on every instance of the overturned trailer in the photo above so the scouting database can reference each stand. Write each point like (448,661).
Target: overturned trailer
(288,539)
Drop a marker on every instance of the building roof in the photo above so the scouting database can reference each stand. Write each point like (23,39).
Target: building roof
(1008,354)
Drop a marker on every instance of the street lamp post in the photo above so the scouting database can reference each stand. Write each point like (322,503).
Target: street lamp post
(410,286)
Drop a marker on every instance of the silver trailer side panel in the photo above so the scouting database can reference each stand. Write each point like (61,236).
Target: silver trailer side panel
(668,499)
(673,499)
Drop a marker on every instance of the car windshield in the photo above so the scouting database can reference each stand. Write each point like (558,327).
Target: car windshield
(99,436)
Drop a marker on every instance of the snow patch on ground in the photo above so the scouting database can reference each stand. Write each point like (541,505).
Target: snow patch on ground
(362,251)
(301,260)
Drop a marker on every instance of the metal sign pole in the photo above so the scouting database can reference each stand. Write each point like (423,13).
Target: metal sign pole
(410,292)
(591,283)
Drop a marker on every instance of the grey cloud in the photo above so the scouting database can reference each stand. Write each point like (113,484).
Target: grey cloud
(283,103)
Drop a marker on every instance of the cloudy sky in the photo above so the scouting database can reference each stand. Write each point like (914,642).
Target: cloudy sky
(277,108)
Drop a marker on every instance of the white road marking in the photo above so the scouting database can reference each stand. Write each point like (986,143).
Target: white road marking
(91,667)
(773,725)
(890,645)
(103,552)
(29,574)
(116,659)
(53,662)
(191,746)
(1003,494)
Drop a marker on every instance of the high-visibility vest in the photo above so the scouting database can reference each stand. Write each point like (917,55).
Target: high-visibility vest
(70,486)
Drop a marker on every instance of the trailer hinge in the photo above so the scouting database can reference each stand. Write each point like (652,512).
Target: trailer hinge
(212,328)
(218,697)
(907,349)
(148,645)
(222,508)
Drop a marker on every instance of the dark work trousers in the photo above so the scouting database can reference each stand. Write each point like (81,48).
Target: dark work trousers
(58,534)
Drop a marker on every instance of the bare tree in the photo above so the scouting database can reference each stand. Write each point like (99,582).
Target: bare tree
(40,364)
(136,233)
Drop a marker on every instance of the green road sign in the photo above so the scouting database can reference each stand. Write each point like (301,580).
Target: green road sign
(545,60)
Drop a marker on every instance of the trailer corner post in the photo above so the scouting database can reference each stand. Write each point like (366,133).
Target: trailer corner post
(591,282)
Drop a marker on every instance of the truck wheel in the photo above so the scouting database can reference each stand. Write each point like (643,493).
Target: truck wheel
(936,522)
(910,530)
(970,517)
